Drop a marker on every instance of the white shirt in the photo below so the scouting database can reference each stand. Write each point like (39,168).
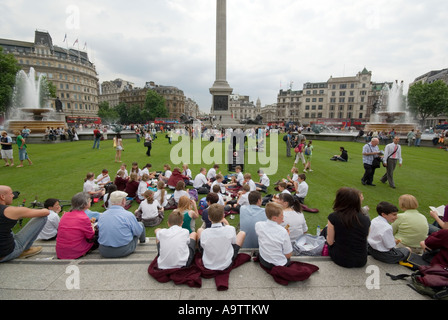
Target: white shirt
(217,243)
(252,185)
(105,180)
(167,174)
(142,188)
(244,199)
(89,186)
(303,189)
(125,172)
(158,197)
(199,180)
(381,235)
(174,251)
(179,193)
(273,242)
(211,173)
(297,224)
(50,228)
(286,191)
(221,186)
(264,180)
(240,178)
(187,173)
(389,150)
(149,211)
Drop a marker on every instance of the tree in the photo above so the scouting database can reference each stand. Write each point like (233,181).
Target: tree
(8,70)
(106,113)
(428,99)
(154,106)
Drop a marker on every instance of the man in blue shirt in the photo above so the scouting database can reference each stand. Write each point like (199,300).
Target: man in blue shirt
(249,215)
(119,229)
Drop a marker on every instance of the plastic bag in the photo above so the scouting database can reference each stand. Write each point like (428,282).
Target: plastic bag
(309,245)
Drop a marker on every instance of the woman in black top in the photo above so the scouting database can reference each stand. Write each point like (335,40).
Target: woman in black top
(348,229)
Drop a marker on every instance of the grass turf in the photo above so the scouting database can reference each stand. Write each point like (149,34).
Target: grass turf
(59,171)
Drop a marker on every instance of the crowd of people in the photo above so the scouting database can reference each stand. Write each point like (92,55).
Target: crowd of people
(350,235)
(270,227)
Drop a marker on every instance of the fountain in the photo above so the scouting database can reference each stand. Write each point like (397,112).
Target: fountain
(30,106)
(389,111)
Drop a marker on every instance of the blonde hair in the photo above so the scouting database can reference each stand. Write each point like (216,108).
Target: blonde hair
(273,210)
(407,201)
(184,203)
(149,196)
(161,187)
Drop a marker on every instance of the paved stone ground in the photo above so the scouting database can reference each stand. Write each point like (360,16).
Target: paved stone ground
(44,277)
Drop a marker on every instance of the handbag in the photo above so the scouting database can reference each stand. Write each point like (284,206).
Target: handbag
(147,143)
(376,163)
(309,245)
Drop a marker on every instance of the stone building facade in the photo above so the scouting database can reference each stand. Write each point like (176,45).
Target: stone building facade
(71,72)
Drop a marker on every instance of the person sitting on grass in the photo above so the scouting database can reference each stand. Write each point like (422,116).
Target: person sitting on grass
(132,185)
(18,245)
(150,212)
(264,181)
(301,188)
(219,244)
(142,188)
(381,241)
(175,245)
(189,210)
(343,157)
(91,187)
(180,191)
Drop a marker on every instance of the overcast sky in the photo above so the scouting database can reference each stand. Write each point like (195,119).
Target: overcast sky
(270,44)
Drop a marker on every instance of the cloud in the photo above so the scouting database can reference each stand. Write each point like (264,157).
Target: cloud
(172,42)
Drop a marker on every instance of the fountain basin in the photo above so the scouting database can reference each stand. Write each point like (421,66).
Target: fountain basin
(400,128)
(34,125)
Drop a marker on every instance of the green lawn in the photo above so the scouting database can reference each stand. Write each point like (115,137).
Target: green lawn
(59,170)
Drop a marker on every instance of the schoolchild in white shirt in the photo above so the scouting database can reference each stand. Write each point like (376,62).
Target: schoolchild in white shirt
(219,244)
(381,240)
(275,248)
(175,245)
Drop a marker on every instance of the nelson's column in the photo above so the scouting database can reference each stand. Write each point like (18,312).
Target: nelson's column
(221,89)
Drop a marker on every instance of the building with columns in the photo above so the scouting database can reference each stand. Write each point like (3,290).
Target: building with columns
(70,71)
(242,108)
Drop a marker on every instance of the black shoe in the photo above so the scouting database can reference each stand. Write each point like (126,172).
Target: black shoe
(363,182)
(371,184)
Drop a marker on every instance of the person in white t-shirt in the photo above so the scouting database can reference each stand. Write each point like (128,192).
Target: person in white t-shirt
(175,245)
(293,218)
(50,230)
(220,243)
(264,181)
(250,182)
(275,248)
(201,180)
(150,211)
(211,174)
(301,188)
